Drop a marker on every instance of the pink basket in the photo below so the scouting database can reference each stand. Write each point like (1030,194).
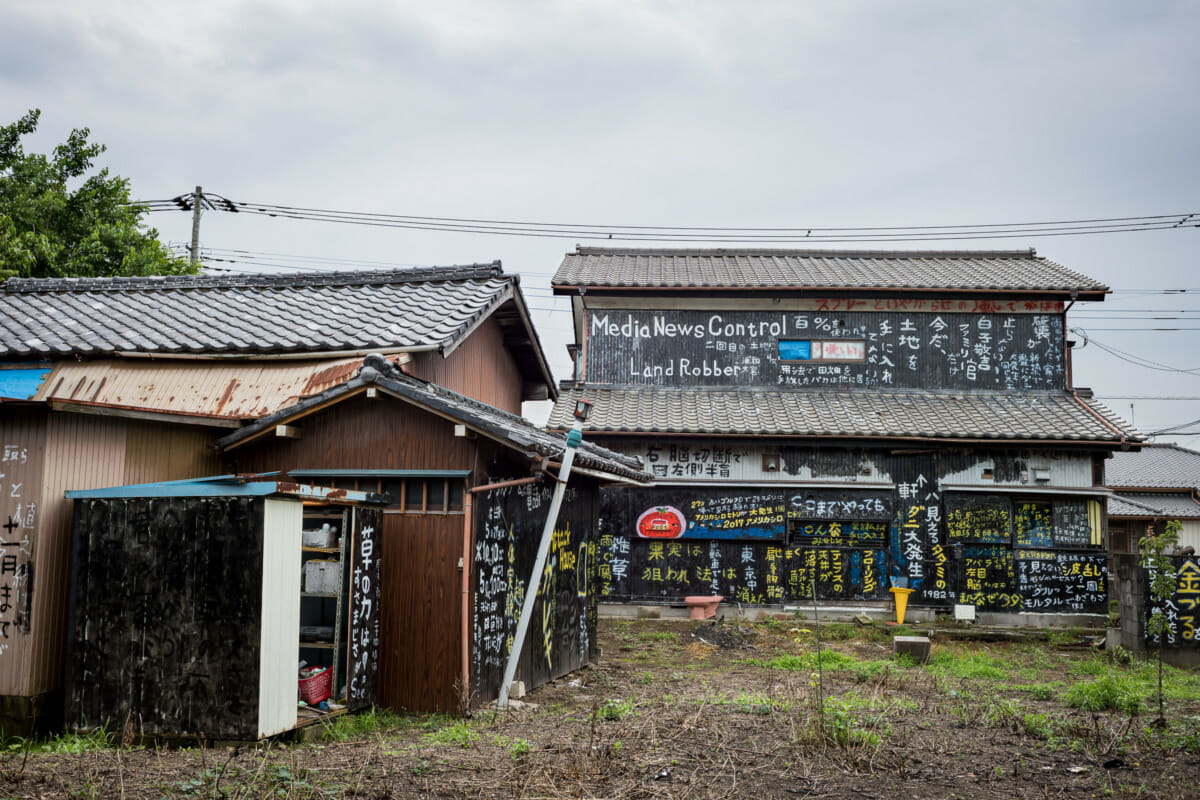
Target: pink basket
(316,688)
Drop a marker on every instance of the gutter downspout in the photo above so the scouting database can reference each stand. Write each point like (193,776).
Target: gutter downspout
(1096,414)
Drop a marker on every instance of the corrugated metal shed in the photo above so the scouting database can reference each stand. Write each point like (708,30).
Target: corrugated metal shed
(221,390)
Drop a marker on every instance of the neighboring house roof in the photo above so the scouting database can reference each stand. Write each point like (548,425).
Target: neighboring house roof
(1172,505)
(1155,466)
(861,414)
(508,429)
(330,313)
(1014,272)
(223,393)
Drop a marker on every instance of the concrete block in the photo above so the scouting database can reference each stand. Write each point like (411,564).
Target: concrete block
(649,612)
(517,690)
(915,647)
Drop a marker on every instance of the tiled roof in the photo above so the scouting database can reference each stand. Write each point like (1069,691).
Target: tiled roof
(865,414)
(282,313)
(1167,504)
(517,432)
(1166,466)
(741,269)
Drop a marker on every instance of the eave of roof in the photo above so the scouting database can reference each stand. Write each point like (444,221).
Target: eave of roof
(1052,418)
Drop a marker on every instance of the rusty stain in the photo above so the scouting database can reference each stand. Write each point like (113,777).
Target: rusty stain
(99,386)
(336,493)
(78,386)
(57,386)
(233,384)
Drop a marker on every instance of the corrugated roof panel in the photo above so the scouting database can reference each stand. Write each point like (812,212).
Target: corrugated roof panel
(234,390)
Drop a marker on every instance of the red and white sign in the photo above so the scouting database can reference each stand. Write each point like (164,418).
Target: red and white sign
(661,522)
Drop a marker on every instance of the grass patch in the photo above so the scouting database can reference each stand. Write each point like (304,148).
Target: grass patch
(348,727)
(64,743)
(1112,691)
(970,665)
(614,709)
(805,662)
(458,733)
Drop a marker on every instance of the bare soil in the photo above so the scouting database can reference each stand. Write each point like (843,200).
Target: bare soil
(676,709)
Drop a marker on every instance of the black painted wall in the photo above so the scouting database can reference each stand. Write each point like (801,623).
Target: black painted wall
(998,551)
(1001,351)
(562,632)
(166,616)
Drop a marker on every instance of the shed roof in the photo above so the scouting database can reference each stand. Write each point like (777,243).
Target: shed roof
(1175,505)
(228,486)
(515,432)
(330,313)
(1008,271)
(1052,417)
(1155,466)
(207,391)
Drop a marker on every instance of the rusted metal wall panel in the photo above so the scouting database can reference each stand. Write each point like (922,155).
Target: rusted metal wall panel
(846,349)
(482,368)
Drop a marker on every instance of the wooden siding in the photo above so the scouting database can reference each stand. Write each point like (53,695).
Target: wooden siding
(362,433)
(282,521)
(481,367)
(420,660)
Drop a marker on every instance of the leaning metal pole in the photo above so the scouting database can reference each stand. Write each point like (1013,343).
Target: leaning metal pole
(574,438)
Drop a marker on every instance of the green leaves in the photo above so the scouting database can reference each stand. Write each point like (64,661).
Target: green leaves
(58,221)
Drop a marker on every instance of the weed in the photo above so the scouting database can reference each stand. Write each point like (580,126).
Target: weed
(458,733)
(613,709)
(851,720)
(519,748)
(1110,692)
(348,727)
(808,661)
(1038,691)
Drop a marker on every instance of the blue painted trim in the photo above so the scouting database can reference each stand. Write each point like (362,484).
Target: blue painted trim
(21,383)
(222,486)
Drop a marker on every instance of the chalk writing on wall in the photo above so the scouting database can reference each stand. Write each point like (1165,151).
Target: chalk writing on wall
(18,525)
(843,505)
(692,461)
(511,520)
(1062,582)
(891,349)
(1034,524)
(978,518)
(363,666)
(988,578)
(1072,523)
(839,573)
(1182,610)
(841,534)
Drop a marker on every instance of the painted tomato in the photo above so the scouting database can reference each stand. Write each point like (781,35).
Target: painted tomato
(661,522)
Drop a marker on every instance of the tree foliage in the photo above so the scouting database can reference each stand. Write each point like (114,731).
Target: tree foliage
(57,220)
(1160,569)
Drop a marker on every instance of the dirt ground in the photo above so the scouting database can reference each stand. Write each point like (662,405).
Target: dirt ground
(677,709)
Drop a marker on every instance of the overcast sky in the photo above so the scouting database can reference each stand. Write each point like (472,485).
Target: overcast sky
(750,114)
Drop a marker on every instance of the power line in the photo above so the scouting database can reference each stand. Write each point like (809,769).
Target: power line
(809,234)
(1129,357)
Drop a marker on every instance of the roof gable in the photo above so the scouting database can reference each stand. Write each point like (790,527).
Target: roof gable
(1155,466)
(1011,272)
(514,432)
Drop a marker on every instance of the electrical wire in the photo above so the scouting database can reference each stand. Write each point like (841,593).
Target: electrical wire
(1131,358)
(880,234)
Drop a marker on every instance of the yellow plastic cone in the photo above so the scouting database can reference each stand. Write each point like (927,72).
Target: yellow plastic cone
(901,598)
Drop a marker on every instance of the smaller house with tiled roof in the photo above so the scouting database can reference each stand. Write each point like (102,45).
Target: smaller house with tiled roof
(1160,482)
(844,423)
(119,381)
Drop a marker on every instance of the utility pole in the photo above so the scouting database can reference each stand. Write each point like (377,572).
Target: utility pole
(197,198)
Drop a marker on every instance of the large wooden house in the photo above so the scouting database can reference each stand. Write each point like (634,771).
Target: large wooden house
(109,382)
(843,423)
